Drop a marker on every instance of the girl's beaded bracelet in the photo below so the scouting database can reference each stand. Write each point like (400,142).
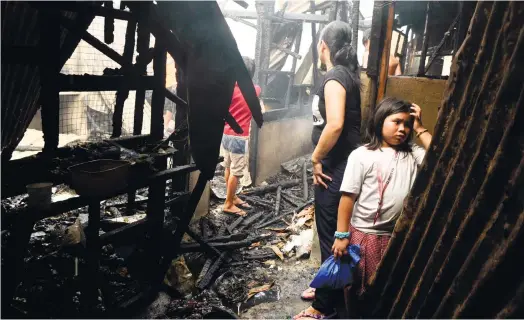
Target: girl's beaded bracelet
(341,235)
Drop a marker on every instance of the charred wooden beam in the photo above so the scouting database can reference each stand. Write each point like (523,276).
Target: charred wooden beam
(233,123)
(291,199)
(305,185)
(273,187)
(158,99)
(84,7)
(235,224)
(109,25)
(277,201)
(85,83)
(446,36)
(142,44)
(292,16)
(222,246)
(294,65)
(355,16)
(384,61)
(282,215)
(49,70)
(26,55)
(314,40)
(425,42)
(286,50)
(90,289)
(250,220)
(122,94)
(259,201)
(60,207)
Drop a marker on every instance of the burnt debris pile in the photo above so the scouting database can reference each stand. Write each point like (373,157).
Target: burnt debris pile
(225,263)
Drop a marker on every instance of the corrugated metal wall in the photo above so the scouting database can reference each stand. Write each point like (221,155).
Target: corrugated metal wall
(21,83)
(458,249)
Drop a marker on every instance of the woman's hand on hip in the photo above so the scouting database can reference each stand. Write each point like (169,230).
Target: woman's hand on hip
(340,247)
(318,175)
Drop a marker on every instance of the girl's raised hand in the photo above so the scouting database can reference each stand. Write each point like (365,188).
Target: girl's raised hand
(416,112)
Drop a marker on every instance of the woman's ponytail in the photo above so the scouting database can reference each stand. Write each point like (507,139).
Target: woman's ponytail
(347,57)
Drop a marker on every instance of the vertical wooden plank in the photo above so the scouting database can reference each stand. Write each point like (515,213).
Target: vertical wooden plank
(384,61)
(143,39)
(121,95)
(425,42)
(49,71)
(158,99)
(355,17)
(90,288)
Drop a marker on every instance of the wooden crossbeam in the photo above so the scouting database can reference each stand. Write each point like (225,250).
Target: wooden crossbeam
(83,83)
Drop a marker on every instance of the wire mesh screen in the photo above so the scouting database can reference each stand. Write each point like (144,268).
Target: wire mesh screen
(89,115)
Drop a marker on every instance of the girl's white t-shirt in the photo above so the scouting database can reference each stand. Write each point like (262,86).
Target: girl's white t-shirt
(362,178)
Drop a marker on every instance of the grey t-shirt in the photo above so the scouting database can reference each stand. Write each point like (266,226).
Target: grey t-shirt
(362,178)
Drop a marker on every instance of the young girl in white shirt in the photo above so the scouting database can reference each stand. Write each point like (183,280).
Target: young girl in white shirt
(378,176)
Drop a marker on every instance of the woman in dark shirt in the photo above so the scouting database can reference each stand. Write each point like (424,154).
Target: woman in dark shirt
(336,133)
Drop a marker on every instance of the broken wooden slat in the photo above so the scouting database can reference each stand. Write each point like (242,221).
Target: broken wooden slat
(277,201)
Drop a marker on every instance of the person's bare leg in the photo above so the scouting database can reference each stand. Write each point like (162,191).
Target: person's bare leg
(231,188)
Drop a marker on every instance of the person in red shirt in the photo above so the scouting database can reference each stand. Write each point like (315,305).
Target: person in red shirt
(234,147)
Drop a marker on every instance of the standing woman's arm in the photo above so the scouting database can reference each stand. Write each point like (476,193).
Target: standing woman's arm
(335,96)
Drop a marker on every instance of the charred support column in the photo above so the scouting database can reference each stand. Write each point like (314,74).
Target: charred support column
(90,280)
(355,17)
(314,52)
(143,38)
(155,206)
(181,182)
(121,95)
(262,50)
(384,61)
(378,33)
(49,71)
(294,65)
(425,42)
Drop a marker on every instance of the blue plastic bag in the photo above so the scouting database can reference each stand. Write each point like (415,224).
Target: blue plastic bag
(337,274)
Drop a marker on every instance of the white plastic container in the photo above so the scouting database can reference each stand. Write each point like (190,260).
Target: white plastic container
(39,195)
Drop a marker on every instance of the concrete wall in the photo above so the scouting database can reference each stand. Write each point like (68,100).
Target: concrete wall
(281,141)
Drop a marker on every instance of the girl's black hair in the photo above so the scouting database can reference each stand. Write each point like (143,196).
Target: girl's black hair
(250,65)
(337,36)
(384,109)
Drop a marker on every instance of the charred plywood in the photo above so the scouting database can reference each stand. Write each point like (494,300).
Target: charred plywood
(456,251)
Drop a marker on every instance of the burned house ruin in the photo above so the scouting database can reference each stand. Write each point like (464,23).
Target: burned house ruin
(455,251)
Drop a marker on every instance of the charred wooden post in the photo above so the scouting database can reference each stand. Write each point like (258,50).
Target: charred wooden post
(446,36)
(142,44)
(294,65)
(109,25)
(355,17)
(49,70)
(305,185)
(121,95)
(376,49)
(90,290)
(158,99)
(13,260)
(425,42)
(277,201)
(404,58)
(314,40)
(384,61)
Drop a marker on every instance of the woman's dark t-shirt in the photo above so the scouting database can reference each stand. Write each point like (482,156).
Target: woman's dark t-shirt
(349,139)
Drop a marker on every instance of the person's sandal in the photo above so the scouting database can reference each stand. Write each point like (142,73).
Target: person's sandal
(303,314)
(308,294)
